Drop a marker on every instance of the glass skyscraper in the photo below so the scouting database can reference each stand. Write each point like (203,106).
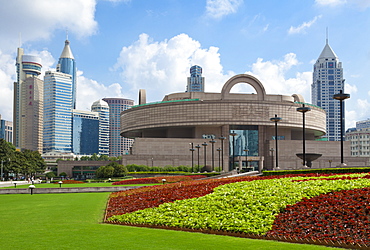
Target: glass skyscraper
(102,108)
(118,145)
(85,136)
(195,81)
(328,81)
(57,112)
(67,65)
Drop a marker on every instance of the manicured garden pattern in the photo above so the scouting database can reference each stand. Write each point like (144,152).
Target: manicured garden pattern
(249,206)
(337,216)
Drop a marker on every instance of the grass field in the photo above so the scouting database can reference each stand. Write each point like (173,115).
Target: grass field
(73,221)
(97,184)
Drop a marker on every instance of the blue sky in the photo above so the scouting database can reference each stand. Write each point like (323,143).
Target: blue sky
(123,46)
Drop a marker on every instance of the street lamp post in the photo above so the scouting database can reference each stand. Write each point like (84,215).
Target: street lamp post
(222,138)
(276,119)
(31,187)
(198,147)
(341,97)
(213,154)
(205,155)
(219,157)
(303,110)
(60,183)
(233,134)
(192,156)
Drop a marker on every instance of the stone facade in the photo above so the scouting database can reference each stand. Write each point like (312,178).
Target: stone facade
(164,131)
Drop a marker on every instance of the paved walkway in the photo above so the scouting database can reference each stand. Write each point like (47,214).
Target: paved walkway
(11,183)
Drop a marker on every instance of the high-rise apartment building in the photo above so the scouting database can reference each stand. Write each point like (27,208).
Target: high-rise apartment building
(118,145)
(85,135)
(328,81)
(6,130)
(28,103)
(57,112)
(195,81)
(102,108)
(67,65)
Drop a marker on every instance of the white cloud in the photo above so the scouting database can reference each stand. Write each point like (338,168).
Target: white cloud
(361,112)
(37,19)
(272,74)
(303,27)
(163,67)
(89,91)
(330,2)
(350,89)
(220,8)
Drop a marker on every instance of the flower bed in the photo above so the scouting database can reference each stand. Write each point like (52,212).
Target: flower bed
(247,205)
(340,216)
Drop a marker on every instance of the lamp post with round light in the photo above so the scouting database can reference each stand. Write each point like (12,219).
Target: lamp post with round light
(192,156)
(222,138)
(205,154)
(276,119)
(233,134)
(198,147)
(341,97)
(213,153)
(303,110)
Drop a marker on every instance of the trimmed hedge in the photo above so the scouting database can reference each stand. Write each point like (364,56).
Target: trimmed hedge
(318,171)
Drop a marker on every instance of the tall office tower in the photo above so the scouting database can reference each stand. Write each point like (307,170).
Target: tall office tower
(85,135)
(6,130)
(57,112)
(67,65)
(195,81)
(328,81)
(28,103)
(102,108)
(118,145)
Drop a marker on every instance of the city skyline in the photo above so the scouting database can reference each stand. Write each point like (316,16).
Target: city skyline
(123,46)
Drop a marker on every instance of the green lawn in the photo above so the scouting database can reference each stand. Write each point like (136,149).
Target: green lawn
(73,221)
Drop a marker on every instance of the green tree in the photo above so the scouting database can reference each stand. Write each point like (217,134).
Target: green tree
(104,172)
(103,158)
(94,157)
(119,170)
(63,174)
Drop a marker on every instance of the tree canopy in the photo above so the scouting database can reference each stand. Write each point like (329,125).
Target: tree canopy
(15,162)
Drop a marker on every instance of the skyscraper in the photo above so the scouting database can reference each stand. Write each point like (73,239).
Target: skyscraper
(328,81)
(6,130)
(195,81)
(118,145)
(57,112)
(85,135)
(102,108)
(28,103)
(67,65)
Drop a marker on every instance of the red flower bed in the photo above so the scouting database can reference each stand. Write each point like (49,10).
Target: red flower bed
(137,199)
(152,180)
(70,182)
(342,216)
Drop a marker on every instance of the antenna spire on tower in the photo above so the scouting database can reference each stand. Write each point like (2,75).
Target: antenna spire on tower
(327,35)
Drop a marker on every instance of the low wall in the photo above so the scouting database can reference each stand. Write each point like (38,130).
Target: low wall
(65,190)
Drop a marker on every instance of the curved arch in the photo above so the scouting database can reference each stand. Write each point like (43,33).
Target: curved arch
(251,80)
(298,98)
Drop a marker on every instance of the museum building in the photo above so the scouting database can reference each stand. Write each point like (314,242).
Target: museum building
(226,130)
